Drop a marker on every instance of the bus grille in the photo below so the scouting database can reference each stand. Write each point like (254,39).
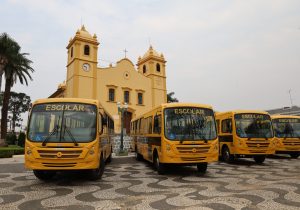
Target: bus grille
(291,143)
(61,154)
(257,146)
(192,158)
(59,165)
(193,150)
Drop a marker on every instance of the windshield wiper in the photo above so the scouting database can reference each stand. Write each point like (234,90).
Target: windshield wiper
(54,130)
(70,134)
(204,138)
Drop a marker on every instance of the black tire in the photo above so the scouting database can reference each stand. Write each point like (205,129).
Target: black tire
(138,156)
(202,167)
(259,159)
(294,155)
(159,167)
(97,173)
(44,175)
(108,159)
(226,156)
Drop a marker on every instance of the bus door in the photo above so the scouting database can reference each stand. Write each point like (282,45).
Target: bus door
(226,136)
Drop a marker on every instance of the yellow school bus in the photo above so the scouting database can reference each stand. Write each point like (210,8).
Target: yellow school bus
(287,133)
(245,133)
(68,134)
(176,133)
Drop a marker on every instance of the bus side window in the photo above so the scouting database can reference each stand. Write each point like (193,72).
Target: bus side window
(157,124)
(226,126)
(218,126)
(143,126)
(149,124)
(100,123)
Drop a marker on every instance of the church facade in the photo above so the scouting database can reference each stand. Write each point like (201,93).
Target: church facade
(142,88)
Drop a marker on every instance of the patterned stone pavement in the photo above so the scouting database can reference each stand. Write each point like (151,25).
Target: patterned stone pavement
(128,184)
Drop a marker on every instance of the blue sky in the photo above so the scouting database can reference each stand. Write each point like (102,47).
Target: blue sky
(230,54)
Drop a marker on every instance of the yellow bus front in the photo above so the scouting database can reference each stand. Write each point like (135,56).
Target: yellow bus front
(189,135)
(287,134)
(253,134)
(63,136)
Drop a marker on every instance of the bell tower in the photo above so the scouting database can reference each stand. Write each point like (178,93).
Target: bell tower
(82,65)
(152,65)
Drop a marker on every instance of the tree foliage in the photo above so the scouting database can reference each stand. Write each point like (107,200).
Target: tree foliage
(171,98)
(16,67)
(18,103)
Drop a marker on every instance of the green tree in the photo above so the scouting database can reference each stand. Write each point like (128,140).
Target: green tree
(171,98)
(15,66)
(18,103)
(8,51)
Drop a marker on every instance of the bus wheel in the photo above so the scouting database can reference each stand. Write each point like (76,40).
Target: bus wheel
(44,175)
(97,173)
(138,156)
(202,167)
(226,156)
(108,159)
(160,167)
(294,155)
(259,159)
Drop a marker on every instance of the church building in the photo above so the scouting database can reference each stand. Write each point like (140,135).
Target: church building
(142,88)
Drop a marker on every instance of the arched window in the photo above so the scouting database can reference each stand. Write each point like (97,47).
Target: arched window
(144,69)
(86,50)
(71,52)
(157,67)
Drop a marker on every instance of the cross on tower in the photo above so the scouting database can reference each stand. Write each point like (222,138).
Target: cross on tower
(125,51)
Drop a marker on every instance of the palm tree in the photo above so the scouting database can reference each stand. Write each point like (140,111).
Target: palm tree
(171,98)
(15,67)
(8,50)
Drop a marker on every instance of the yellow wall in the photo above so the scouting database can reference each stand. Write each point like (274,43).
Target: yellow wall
(134,82)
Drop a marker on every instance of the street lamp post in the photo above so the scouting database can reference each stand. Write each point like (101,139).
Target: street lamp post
(121,110)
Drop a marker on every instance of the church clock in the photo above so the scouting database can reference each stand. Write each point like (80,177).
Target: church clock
(86,67)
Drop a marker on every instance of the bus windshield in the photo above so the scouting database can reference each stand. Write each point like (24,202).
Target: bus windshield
(287,127)
(62,122)
(252,125)
(189,123)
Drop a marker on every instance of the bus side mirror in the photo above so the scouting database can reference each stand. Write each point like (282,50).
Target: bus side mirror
(157,127)
(104,120)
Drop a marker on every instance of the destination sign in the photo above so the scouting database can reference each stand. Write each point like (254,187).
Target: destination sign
(252,116)
(68,107)
(189,111)
(54,107)
(290,120)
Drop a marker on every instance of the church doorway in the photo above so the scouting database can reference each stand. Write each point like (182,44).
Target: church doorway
(127,119)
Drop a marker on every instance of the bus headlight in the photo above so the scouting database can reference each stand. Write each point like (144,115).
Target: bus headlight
(168,147)
(92,151)
(216,147)
(29,152)
(239,142)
